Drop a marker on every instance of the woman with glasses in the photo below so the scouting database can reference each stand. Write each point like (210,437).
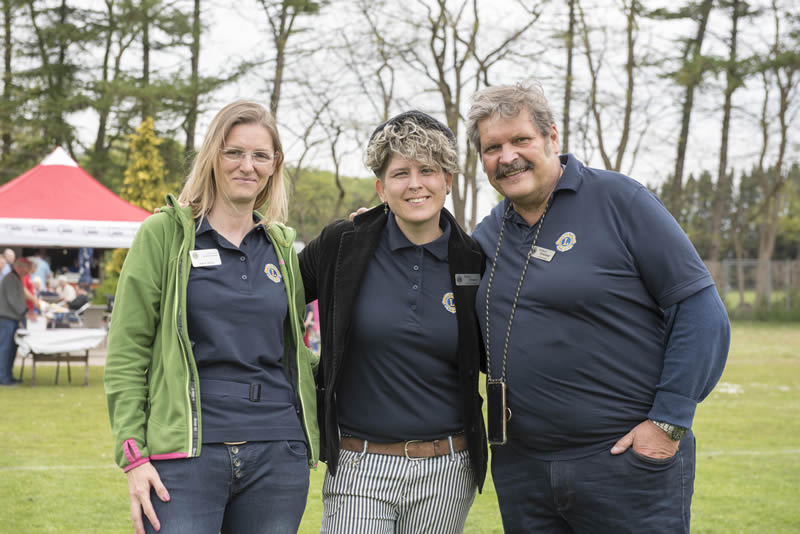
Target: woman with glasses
(209,385)
(403,433)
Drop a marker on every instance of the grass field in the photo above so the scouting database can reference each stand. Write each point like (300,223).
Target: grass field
(57,473)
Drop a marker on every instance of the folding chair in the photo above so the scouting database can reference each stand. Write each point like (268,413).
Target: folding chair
(76,316)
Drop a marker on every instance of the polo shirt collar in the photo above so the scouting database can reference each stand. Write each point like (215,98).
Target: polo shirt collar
(397,240)
(202,225)
(572,177)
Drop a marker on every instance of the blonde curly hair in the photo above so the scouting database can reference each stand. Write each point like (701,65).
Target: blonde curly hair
(415,136)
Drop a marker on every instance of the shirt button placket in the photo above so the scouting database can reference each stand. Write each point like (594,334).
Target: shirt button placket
(416,280)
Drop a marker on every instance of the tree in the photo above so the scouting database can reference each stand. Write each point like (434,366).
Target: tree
(782,69)
(194,81)
(116,31)
(745,237)
(689,75)
(144,184)
(569,40)
(376,71)
(281,17)
(442,47)
(787,244)
(734,79)
(54,90)
(317,196)
(600,108)
(9,8)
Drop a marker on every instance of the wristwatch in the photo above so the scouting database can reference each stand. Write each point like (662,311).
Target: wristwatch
(674,432)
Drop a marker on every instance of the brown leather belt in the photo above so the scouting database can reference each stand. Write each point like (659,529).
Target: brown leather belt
(413,449)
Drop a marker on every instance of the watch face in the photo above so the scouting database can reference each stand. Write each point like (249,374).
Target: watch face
(678,433)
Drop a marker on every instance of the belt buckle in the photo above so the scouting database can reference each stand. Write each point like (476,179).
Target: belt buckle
(405,450)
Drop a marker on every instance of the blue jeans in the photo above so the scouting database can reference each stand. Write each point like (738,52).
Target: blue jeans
(600,493)
(259,487)
(8,349)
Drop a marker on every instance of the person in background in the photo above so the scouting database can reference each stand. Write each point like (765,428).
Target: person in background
(40,306)
(308,324)
(403,432)
(210,388)
(65,290)
(30,295)
(2,265)
(313,336)
(12,310)
(80,300)
(9,256)
(85,258)
(603,332)
(42,266)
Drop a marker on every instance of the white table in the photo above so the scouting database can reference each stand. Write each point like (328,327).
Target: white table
(58,345)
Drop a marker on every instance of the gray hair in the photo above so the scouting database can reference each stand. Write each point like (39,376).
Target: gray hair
(413,141)
(508,101)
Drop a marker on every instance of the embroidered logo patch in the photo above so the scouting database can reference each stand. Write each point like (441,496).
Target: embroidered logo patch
(566,241)
(273,273)
(449,302)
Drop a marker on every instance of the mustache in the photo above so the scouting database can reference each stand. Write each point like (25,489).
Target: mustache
(506,169)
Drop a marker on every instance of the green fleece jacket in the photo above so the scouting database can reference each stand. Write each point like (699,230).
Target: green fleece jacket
(151,380)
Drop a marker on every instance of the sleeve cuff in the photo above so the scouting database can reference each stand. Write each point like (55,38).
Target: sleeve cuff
(673,409)
(133,454)
(135,464)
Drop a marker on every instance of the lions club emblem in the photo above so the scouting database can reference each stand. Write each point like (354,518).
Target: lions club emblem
(273,273)
(566,241)
(449,302)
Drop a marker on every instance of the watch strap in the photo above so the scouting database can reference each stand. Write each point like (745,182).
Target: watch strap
(674,432)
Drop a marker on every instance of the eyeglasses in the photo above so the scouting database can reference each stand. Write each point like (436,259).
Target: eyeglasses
(237,155)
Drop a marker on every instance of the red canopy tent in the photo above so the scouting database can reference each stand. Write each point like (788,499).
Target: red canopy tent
(58,204)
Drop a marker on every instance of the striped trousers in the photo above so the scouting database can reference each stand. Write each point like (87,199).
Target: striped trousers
(382,494)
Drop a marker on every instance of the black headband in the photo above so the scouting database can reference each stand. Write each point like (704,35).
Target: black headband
(422,119)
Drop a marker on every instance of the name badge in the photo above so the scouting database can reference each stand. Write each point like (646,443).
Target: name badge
(541,253)
(468,279)
(205,257)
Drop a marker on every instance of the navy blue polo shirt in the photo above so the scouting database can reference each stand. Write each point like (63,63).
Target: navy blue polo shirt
(400,376)
(586,351)
(235,313)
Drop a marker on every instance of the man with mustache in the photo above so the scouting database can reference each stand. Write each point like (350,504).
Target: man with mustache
(603,330)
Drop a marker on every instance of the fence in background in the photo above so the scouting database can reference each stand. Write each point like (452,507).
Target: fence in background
(736,281)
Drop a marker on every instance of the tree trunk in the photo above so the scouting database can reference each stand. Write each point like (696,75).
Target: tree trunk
(691,54)
(784,70)
(723,177)
(145,103)
(766,246)
(191,115)
(738,243)
(8,13)
(629,68)
(570,42)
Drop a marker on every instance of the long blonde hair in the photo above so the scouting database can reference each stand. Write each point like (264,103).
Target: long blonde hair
(200,190)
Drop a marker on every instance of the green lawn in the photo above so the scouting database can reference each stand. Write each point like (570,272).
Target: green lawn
(734,298)
(57,473)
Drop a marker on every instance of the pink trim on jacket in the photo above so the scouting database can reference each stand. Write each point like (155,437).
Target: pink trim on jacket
(137,463)
(131,450)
